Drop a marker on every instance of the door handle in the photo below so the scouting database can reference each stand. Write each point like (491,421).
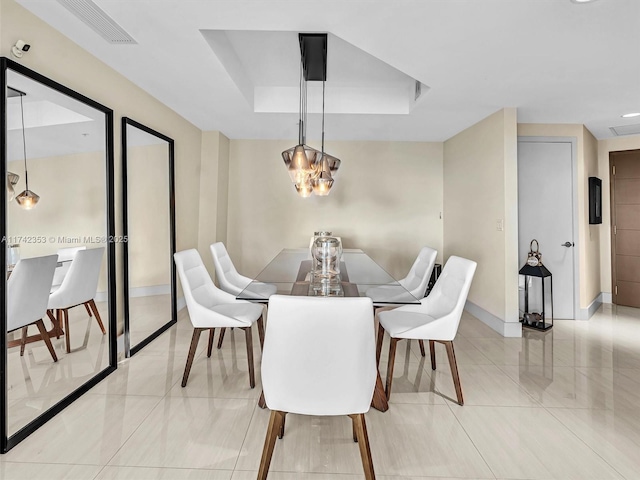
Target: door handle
(567,244)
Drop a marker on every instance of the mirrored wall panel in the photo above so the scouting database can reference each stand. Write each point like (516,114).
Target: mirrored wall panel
(148,187)
(58,246)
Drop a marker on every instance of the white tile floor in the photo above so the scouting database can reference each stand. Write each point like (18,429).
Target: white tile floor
(558,405)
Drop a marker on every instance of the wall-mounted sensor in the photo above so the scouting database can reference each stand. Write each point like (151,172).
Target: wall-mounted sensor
(19,48)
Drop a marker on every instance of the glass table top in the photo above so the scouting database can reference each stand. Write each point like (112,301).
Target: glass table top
(289,273)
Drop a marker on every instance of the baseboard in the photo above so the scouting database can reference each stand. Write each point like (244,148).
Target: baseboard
(587,313)
(150,291)
(607,297)
(506,329)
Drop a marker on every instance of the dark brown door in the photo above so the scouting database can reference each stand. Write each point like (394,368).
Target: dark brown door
(625,221)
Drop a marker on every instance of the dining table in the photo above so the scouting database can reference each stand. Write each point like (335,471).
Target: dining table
(291,272)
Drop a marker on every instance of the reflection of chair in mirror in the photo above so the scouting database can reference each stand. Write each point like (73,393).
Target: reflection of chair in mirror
(309,369)
(27,296)
(78,288)
(65,256)
(436,319)
(231,281)
(210,308)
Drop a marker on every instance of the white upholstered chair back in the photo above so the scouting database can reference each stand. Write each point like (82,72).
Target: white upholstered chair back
(65,255)
(80,284)
(319,355)
(417,279)
(28,290)
(228,277)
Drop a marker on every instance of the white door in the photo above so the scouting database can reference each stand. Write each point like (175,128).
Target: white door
(545,212)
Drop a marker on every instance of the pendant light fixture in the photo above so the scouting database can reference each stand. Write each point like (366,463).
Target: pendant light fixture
(27,199)
(311,171)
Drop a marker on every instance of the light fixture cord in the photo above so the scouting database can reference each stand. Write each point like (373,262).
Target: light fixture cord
(301,138)
(323,117)
(24,146)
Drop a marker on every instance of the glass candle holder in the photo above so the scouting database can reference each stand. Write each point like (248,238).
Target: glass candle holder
(326,253)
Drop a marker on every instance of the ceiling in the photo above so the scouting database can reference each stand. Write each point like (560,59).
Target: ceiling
(232,66)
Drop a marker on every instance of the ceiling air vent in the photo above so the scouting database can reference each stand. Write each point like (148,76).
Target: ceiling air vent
(626,130)
(99,21)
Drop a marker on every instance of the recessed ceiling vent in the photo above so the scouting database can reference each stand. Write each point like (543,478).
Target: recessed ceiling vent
(626,129)
(99,21)
(417,90)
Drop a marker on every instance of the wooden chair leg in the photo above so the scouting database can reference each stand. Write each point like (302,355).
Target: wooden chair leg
(45,337)
(59,322)
(379,343)
(65,315)
(421,343)
(212,332)
(392,359)
(363,443)
(261,331)
(269,443)
(192,353)
(23,340)
(252,378)
(88,309)
(354,429)
(94,307)
(454,371)
(284,419)
(221,337)
(432,349)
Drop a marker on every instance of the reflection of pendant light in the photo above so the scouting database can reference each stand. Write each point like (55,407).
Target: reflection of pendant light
(12,179)
(26,199)
(311,171)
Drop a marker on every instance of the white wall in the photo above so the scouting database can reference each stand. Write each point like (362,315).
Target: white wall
(480,189)
(386,199)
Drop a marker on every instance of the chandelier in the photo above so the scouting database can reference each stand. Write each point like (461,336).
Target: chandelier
(311,171)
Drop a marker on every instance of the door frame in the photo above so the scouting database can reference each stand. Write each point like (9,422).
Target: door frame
(573,141)
(613,220)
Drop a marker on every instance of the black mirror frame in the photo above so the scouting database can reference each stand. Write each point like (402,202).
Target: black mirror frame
(8,442)
(132,350)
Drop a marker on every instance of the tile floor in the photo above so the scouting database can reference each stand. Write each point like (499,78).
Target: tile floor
(556,405)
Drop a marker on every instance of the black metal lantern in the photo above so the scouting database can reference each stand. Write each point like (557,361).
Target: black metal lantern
(535,268)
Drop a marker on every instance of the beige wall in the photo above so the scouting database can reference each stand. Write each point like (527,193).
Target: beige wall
(606,146)
(589,236)
(387,200)
(480,189)
(71,207)
(149,246)
(55,56)
(214,190)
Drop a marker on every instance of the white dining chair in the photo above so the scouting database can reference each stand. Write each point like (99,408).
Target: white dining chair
(210,308)
(65,256)
(28,289)
(78,287)
(232,282)
(415,282)
(436,318)
(319,359)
